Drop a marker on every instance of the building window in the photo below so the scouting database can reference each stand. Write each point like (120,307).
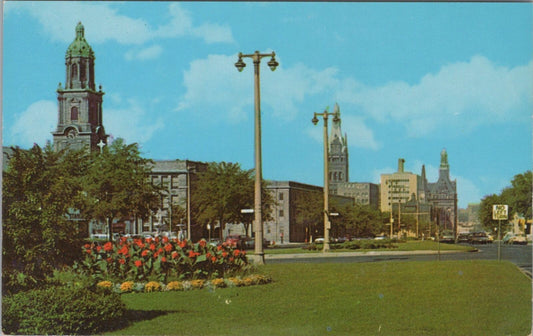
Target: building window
(281,196)
(281,213)
(74,71)
(74,113)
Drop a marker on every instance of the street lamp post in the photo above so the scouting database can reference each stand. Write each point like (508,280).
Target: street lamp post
(327,224)
(258,222)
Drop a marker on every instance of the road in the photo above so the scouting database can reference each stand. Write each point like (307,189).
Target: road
(520,255)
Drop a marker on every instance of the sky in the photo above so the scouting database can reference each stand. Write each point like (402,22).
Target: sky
(410,79)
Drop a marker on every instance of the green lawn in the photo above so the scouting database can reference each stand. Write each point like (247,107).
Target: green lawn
(408,298)
(414,245)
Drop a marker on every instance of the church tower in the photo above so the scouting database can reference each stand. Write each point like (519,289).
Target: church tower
(338,153)
(80,123)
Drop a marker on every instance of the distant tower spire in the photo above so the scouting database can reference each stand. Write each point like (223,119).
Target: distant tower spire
(338,153)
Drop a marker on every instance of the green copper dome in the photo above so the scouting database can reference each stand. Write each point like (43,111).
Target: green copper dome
(79,47)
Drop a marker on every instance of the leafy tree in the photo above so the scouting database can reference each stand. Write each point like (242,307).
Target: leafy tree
(222,191)
(116,185)
(517,197)
(309,207)
(39,187)
(361,220)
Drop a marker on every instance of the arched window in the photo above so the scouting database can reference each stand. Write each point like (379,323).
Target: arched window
(74,113)
(74,71)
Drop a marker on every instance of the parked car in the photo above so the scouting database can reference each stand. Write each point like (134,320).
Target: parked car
(319,240)
(508,237)
(249,243)
(519,240)
(214,242)
(463,237)
(479,238)
(447,237)
(236,241)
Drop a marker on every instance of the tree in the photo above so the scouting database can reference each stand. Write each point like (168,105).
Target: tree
(309,212)
(517,197)
(222,191)
(39,188)
(362,220)
(116,185)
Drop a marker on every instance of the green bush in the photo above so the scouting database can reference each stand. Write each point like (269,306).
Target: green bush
(60,311)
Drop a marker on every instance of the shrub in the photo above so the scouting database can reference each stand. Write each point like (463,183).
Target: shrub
(218,283)
(61,310)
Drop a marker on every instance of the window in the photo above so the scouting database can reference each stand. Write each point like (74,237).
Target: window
(74,71)
(281,213)
(74,113)
(281,196)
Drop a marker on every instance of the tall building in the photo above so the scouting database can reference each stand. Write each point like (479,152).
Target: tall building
(80,123)
(399,188)
(443,196)
(338,154)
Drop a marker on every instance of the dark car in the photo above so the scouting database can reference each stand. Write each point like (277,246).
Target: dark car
(236,241)
(463,237)
(479,238)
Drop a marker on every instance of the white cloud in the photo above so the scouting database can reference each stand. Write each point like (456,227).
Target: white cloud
(35,124)
(131,122)
(104,22)
(148,53)
(359,134)
(459,98)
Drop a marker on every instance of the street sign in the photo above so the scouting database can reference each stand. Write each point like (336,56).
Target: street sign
(247,210)
(500,211)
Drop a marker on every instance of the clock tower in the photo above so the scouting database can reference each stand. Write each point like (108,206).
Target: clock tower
(80,123)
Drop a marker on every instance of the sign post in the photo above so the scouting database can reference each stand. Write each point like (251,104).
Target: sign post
(499,213)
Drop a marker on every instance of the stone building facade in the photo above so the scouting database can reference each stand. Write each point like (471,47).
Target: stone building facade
(288,224)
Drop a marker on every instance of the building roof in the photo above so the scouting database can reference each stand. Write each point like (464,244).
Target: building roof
(79,47)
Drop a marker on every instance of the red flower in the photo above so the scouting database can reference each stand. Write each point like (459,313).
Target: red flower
(124,250)
(168,247)
(160,250)
(122,261)
(231,259)
(224,254)
(219,248)
(165,240)
(203,243)
(152,246)
(192,254)
(163,259)
(98,248)
(89,251)
(213,259)
(87,246)
(123,240)
(174,255)
(148,240)
(109,260)
(182,243)
(236,253)
(156,255)
(138,263)
(108,247)
(144,253)
(208,255)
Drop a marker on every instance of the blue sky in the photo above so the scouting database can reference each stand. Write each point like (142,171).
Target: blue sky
(410,80)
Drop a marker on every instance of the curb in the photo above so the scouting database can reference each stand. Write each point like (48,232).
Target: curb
(352,254)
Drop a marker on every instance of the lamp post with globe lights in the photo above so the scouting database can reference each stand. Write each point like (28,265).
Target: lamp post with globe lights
(258,222)
(327,223)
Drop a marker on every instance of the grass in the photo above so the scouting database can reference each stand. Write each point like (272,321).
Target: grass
(411,245)
(411,298)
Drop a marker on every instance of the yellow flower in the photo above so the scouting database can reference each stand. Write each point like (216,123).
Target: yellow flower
(175,286)
(104,284)
(152,286)
(197,283)
(218,283)
(126,286)
(236,281)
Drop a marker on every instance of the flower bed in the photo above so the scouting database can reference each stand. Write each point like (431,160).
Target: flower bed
(160,259)
(154,286)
